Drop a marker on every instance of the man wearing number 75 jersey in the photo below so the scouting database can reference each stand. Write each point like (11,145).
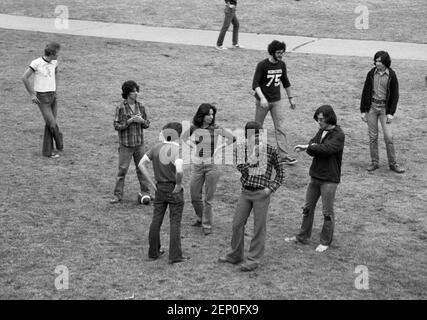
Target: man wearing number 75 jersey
(270,73)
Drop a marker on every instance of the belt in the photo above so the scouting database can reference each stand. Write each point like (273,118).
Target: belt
(253,188)
(378,101)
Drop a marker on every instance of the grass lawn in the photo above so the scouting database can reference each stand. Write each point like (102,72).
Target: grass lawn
(394,20)
(56,212)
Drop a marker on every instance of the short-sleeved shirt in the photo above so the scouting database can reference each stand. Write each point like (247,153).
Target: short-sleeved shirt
(268,76)
(44,74)
(163,156)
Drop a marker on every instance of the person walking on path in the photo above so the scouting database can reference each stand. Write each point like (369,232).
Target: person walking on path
(326,148)
(270,75)
(130,120)
(43,93)
(255,161)
(203,138)
(379,102)
(168,174)
(229,18)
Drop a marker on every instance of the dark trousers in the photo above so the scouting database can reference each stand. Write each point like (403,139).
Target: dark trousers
(164,198)
(315,189)
(230,17)
(49,110)
(125,156)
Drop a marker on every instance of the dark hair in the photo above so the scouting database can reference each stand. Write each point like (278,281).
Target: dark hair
(172,131)
(385,58)
(252,125)
(274,46)
(128,87)
(328,114)
(51,49)
(203,111)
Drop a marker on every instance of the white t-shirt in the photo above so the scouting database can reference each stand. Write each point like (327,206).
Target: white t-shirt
(44,74)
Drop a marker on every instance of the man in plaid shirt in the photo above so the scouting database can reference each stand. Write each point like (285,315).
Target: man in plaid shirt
(255,161)
(130,120)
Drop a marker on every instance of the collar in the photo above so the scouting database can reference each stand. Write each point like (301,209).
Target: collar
(382,73)
(46,60)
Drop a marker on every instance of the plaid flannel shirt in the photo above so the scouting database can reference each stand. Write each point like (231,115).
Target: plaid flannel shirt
(258,175)
(130,134)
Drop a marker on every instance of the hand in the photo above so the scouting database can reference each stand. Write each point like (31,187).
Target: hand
(389,118)
(138,119)
(264,103)
(300,147)
(268,191)
(363,117)
(292,104)
(231,6)
(34,99)
(177,188)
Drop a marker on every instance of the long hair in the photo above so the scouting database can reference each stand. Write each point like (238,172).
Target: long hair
(274,46)
(385,58)
(328,114)
(203,111)
(128,87)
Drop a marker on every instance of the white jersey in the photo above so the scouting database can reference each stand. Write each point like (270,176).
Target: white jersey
(44,74)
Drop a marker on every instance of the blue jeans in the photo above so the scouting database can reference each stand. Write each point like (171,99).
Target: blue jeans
(49,109)
(207,174)
(230,17)
(315,189)
(125,156)
(378,113)
(164,198)
(259,202)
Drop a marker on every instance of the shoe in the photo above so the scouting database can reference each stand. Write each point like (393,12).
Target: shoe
(372,167)
(321,248)
(197,224)
(182,259)
(116,199)
(207,231)
(246,267)
(228,260)
(220,48)
(161,252)
(396,168)
(289,161)
(294,239)
(238,46)
(53,156)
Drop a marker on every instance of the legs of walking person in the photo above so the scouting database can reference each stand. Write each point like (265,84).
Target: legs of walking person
(57,135)
(243,209)
(45,106)
(277,110)
(327,191)
(388,138)
(311,198)
(226,24)
(260,207)
(137,156)
(212,175)
(236,26)
(160,205)
(372,120)
(125,156)
(176,207)
(196,187)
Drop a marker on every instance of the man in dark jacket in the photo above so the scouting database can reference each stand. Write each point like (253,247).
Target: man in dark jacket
(326,148)
(379,102)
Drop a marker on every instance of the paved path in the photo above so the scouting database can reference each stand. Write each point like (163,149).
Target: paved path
(341,47)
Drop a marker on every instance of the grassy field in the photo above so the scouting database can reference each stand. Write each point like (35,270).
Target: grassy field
(56,212)
(394,20)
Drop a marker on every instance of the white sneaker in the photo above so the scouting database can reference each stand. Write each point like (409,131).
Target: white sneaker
(321,248)
(220,48)
(238,46)
(291,239)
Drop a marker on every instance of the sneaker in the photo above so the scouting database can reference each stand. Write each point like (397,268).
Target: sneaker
(220,48)
(247,267)
(182,259)
(161,253)
(372,167)
(291,239)
(396,168)
(53,156)
(237,46)
(226,259)
(207,231)
(289,161)
(321,248)
(116,199)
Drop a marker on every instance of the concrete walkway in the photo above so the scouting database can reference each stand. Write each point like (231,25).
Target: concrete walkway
(253,41)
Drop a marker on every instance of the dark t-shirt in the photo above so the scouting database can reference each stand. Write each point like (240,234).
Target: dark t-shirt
(163,156)
(268,76)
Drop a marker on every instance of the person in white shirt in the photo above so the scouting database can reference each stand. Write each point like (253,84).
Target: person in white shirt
(43,93)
